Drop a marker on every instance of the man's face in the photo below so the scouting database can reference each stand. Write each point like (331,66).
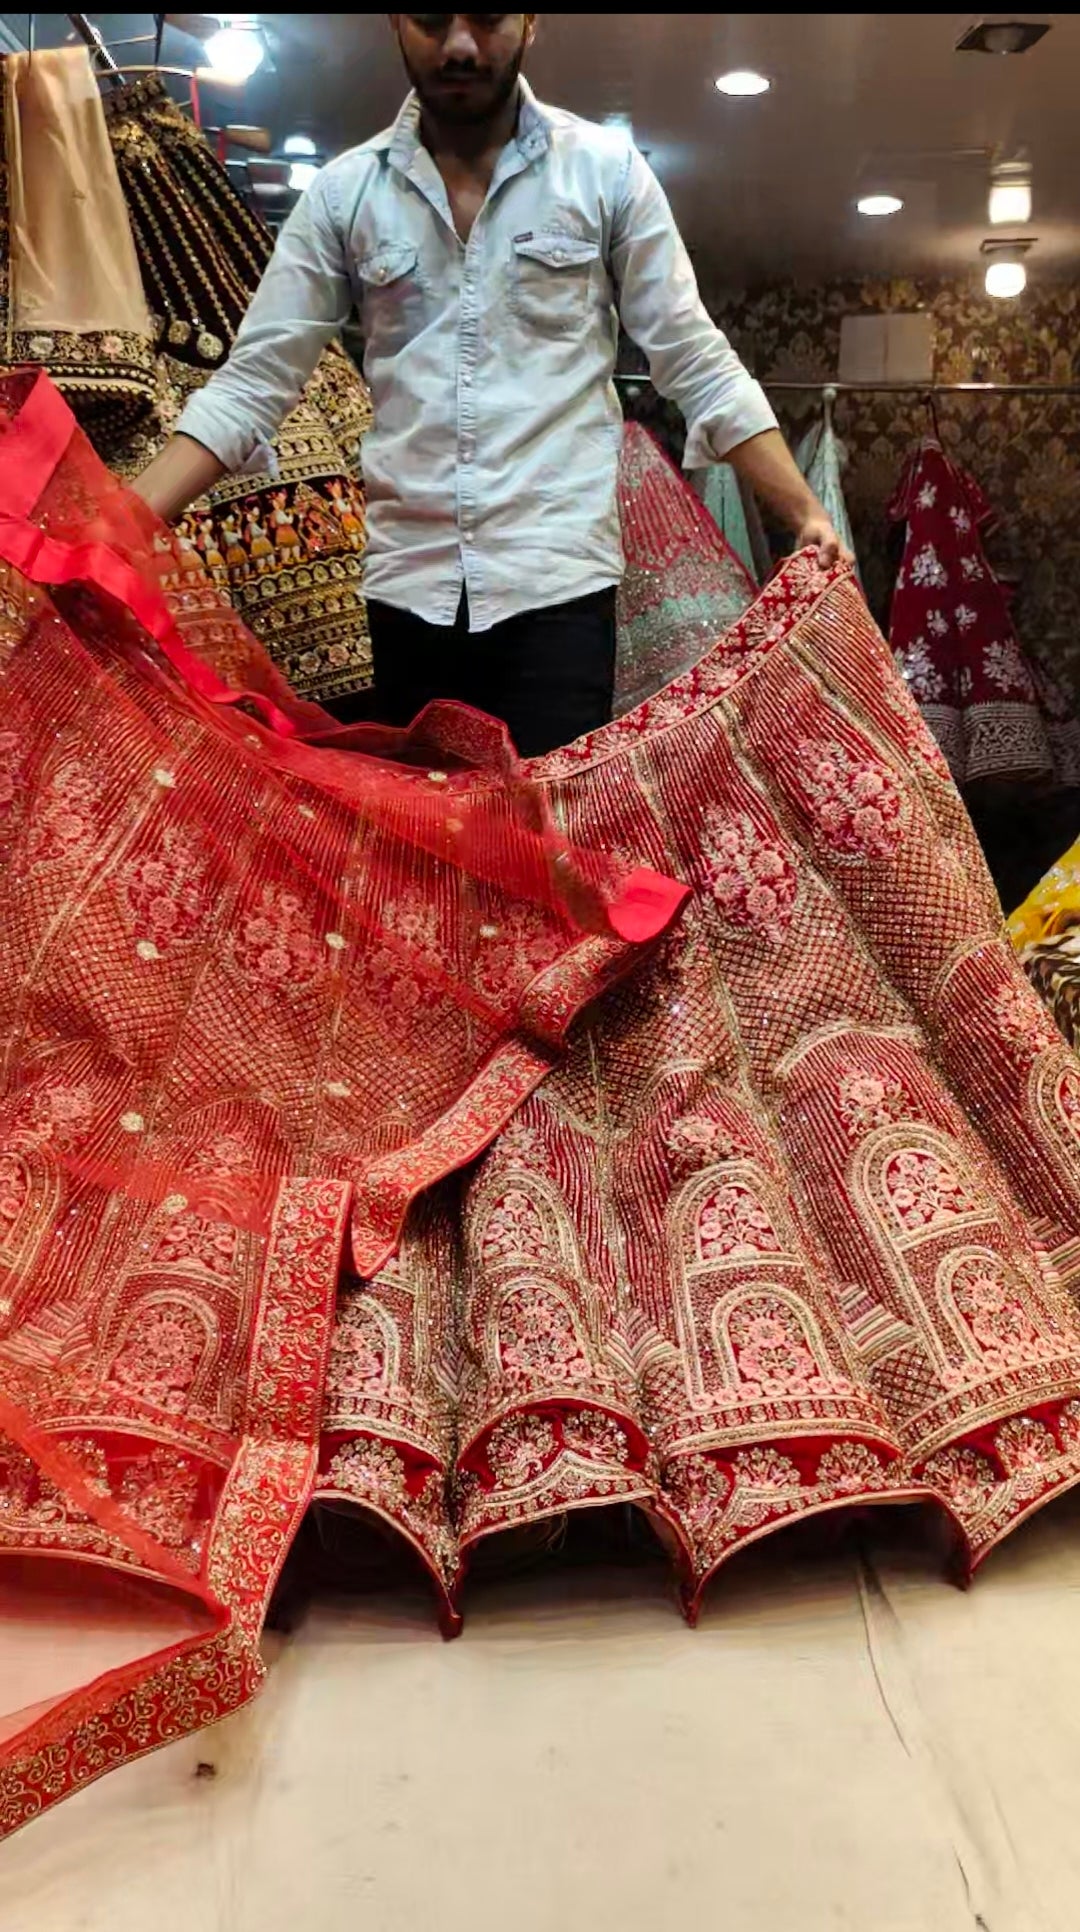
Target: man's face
(464,66)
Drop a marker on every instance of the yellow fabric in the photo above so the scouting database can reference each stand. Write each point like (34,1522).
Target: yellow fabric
(1053,906)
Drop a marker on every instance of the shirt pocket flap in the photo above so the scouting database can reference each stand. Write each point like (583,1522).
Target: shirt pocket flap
(387,264)
(557,251)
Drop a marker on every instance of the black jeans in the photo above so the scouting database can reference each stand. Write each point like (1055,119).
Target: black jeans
(548,674)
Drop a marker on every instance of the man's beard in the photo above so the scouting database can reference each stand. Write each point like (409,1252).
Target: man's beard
(467,110)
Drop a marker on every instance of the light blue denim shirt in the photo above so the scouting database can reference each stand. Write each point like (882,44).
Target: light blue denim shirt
(493,458)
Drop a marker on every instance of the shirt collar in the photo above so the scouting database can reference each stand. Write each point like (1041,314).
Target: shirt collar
(533,136)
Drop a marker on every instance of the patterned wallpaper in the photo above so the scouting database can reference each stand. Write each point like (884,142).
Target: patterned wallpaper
(1024,450)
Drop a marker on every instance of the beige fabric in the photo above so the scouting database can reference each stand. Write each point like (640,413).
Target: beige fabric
(73,263)
(841,1746)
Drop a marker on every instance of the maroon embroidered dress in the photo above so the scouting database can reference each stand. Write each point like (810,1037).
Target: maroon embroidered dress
(792,1225)
(995,714)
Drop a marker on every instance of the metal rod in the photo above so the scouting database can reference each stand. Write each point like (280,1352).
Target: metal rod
(898,388)
(92,38)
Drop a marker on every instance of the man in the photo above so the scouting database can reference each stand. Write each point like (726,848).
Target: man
(490,244)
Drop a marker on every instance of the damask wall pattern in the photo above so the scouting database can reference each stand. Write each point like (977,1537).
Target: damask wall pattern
(1023,450)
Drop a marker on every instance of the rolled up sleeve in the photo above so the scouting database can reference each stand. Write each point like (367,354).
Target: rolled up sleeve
(691,361)
(303,300)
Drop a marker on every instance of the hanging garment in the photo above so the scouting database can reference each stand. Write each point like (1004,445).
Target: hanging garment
(821,457)
(792,1226)
(995,714)
(287,550)
(258,990)
(70,289)
(682,585)
(736,516)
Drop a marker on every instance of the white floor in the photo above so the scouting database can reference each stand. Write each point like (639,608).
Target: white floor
(837,1746)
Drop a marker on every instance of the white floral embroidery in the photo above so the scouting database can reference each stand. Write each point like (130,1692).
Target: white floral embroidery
(927,567)
(965,616)
(960,519)
(918,667)
(972,569)
(927,496)
(937,622)
(1005,667)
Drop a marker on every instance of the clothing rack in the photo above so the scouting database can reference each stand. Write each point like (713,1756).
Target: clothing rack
(830,390)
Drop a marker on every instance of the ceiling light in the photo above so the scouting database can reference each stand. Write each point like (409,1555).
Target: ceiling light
(233,54)
(1005,279)
(1001,37)
(302,174)
(1010,195)
(299,144)
(742,81)
(879,204)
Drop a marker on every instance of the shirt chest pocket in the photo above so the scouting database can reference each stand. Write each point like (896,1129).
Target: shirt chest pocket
(391,299)
(553,282)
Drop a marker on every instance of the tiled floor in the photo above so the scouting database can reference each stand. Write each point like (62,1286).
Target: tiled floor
(839,1746)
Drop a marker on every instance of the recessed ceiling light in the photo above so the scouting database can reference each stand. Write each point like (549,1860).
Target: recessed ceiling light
(1002,36)
(1005,279)
(299,144)
(742,81)
(879,204)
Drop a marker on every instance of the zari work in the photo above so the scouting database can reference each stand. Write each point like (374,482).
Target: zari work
(794,1225)
(995,713)
(254,996)
(287,552)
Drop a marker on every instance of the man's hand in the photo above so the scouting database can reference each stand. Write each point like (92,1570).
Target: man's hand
(766,463)
(817,532)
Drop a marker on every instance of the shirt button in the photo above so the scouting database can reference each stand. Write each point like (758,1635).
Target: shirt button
(469,537)
(466,377)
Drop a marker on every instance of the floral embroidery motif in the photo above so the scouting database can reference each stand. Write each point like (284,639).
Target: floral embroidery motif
(65,823)
(994,1311)
(396,971)
(276,947)
(164,893)
(752,880)
(513,1230)
(162,1351)
(927,568)
(519,1447)
(770,1347)
(514,951)
(869,1100)
(732,1224)
(966,1478)
(595,1435)
(61,1111)
(160,1491)
(916,665)
(922,1192)
(856,801)
(189,1242)
(1022,1018)
(851,1468)
(538,1337)
(1026,1444)
(14,1191)
(358,1351)
(695,1141)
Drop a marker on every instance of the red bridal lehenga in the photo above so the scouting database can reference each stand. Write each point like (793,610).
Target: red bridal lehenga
(785,1221)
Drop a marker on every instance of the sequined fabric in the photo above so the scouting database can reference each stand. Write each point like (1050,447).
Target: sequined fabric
(260,985)
(288,553)
(794,1225)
